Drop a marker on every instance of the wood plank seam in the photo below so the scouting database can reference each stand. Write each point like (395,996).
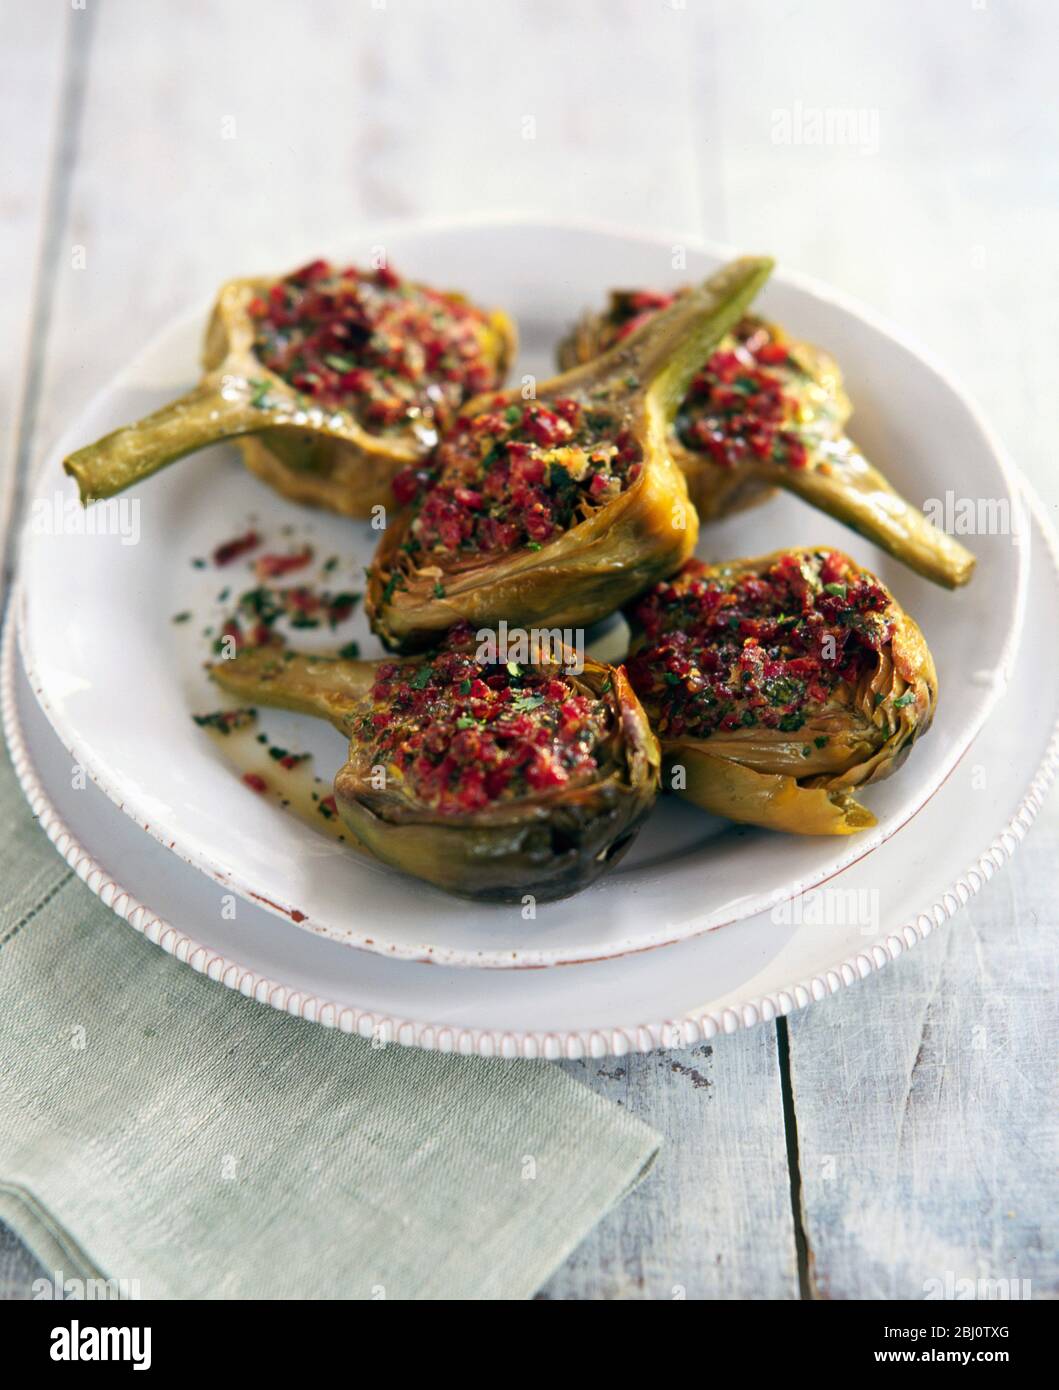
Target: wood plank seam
(79,30)
(806,1281)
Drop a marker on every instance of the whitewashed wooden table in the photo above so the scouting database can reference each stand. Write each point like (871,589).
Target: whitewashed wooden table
(904,1129)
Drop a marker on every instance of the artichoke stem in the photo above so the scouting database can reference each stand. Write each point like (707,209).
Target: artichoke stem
(325,687)
(670,349)
(203,416)
(855,493)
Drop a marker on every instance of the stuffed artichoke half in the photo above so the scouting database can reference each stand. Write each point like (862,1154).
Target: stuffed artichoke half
(330,380)
(777,686)
(489,780)
(559,508)
(767,411)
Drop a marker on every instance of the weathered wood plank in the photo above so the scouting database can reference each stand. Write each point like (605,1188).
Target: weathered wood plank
(293,135)
(888,156)
(928,1125)
(179,184)
(922,1095)
(31,82)
(713,1220)
(292,132)
(31,68)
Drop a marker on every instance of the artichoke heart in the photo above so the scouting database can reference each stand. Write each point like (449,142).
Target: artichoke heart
(489,779)
(764,412)
(331,381)
(779,685)
(557,509)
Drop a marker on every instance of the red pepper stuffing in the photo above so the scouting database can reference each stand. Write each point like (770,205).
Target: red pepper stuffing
(725,651)
(272,566)
(398,355)
(303,607)
(408,484)
(521,475)
(740,406)
(237,546)
(459,734)
(737,410)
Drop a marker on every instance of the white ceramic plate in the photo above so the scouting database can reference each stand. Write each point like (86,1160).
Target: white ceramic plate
(717,982)
(119,681)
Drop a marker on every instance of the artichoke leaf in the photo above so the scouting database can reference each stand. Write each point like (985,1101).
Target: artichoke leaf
(746,631)
(845,739)
(547,840)
(612,548)
(828,471)
(312,452)
(326,687)
(586,573)
(839,480)
(774,800)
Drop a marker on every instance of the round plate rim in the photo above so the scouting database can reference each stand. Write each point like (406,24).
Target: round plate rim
(536,959)
(685,1031)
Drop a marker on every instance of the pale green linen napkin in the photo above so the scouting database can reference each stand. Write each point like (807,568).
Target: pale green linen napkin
(157,1128)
